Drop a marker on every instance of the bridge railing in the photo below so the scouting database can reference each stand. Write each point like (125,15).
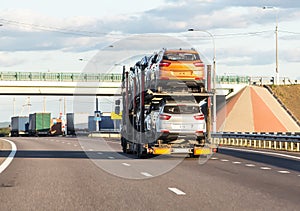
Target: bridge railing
(117,77)
(233,79)
(62,77)
(93,77)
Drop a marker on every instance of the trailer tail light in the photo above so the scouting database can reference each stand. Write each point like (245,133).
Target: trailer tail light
(199,117)
(164,117)
(164,78)
(199,64)
(164,131)
(164,64)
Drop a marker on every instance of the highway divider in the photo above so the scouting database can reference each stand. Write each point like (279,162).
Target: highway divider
(276,141)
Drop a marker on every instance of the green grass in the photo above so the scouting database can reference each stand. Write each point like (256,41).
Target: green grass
(289,95)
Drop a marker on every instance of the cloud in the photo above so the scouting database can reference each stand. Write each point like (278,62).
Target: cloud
(238,57)
(291,55)
(28,30)
(7,60)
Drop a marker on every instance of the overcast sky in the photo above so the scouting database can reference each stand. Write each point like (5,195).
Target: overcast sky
(54,35)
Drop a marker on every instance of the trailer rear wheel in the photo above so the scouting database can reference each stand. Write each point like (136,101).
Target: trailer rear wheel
(191,155)
(139,152)
(124,145)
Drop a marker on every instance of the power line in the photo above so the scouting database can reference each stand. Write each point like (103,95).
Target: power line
(116,35)
(53,29)
(243,34)
(289,32)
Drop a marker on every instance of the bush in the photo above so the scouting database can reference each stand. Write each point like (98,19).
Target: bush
(4,132)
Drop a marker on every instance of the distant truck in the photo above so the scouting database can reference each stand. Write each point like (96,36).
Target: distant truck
(77,122)
(19,126)
(39,124)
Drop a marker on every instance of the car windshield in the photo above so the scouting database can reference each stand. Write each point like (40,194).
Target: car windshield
(181,56)
(181,109)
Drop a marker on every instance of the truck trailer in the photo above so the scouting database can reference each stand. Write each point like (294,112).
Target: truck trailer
(19,126)
(77,123)
(143,131)
(39,124)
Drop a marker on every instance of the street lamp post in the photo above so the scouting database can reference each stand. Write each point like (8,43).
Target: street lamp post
(276,44)
(214,124)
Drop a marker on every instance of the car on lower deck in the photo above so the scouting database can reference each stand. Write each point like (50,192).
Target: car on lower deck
(179,121)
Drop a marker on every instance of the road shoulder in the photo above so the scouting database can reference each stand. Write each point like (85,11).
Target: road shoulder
(4,146)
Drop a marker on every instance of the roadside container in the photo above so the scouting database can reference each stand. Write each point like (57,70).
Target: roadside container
(106,123)
(92,123)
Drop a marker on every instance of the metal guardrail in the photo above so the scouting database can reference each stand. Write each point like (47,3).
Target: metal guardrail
(275,141)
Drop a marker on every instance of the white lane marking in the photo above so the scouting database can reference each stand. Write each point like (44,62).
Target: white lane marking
(263,152)
(146,174)
(249,165)
(111,157)
(236,162)
(100,153)
(265,168)
(126,164)
(10,157)
(284,172)
(214,158)
(224,160)
(177,191)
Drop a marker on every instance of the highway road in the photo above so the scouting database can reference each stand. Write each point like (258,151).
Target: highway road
(60,173)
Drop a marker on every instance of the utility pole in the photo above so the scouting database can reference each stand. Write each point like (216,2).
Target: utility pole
(44,105)
(28,104)
(65,106)
(14,106)
(276,34)
(214,111)
(277,82)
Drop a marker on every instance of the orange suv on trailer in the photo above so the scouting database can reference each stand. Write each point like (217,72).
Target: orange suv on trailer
(172,68)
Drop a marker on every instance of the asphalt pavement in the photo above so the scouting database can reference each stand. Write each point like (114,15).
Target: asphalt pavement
(56,173)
